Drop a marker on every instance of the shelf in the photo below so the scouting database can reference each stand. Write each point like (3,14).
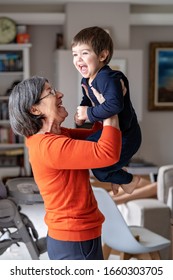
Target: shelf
(14,47)
(12,146)
(37,18)
(15,66)
(16,73)
(136,19)
(10,171)
(4,97)
(4,122)
(157,19)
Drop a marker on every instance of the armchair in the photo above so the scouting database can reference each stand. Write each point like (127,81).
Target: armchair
(165,191)
(165,186)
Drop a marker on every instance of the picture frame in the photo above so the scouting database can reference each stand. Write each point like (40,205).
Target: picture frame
(160,76)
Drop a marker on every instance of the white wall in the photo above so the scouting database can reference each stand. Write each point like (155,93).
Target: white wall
(115,17)
(66,81)
(43,40)
(157,126)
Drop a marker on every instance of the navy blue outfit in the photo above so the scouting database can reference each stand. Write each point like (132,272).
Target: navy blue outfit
(107,82)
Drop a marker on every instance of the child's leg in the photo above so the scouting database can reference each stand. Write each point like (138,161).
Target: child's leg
(129,188)
(115,188)
(144,189)
(115,174)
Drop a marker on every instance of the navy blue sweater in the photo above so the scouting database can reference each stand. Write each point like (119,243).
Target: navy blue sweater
(107,82)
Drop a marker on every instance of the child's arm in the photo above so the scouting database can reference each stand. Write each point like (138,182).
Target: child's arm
(86,102)
(77,120)
(83,133)
(81,113)
(114,103)
(82,110)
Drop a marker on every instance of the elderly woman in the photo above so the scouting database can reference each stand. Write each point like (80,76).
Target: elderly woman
(60,159)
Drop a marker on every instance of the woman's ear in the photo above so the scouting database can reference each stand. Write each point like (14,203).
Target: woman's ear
(34,110)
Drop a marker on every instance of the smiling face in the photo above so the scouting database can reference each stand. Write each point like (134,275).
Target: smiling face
(86,61)
(50,105)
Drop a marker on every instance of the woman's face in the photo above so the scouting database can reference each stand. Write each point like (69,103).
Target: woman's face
(50,104)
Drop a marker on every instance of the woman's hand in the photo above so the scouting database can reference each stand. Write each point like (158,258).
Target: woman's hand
(124,89)
(98,95)
(112,121)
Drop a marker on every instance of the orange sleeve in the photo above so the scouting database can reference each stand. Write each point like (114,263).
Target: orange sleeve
(83,133)
(62,152)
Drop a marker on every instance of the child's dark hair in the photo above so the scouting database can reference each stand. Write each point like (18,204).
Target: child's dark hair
(98,38)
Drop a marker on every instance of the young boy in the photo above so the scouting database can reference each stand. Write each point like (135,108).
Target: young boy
(92,50)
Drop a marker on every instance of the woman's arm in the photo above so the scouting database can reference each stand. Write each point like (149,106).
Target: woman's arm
(83,133)
(63,152)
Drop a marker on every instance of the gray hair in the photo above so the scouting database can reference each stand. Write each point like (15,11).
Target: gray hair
(23,96)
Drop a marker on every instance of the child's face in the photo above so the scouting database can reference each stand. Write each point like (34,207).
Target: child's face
(86,61)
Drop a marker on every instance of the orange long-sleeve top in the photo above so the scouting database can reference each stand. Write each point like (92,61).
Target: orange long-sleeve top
(60,165)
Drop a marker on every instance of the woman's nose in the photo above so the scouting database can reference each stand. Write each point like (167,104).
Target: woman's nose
(59,94)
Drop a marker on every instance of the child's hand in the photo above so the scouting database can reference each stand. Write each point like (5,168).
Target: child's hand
(77,121)
(124,89)
(82,112)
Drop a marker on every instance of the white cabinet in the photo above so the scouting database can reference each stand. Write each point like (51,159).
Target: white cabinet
(66,81)
(14,67)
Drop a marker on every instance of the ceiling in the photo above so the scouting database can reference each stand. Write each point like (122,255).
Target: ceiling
(143,12)
(137,2)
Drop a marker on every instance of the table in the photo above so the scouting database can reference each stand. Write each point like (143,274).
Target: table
(150,171)
(144,170)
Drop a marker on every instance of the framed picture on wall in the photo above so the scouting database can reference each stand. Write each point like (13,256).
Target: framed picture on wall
(160,76)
